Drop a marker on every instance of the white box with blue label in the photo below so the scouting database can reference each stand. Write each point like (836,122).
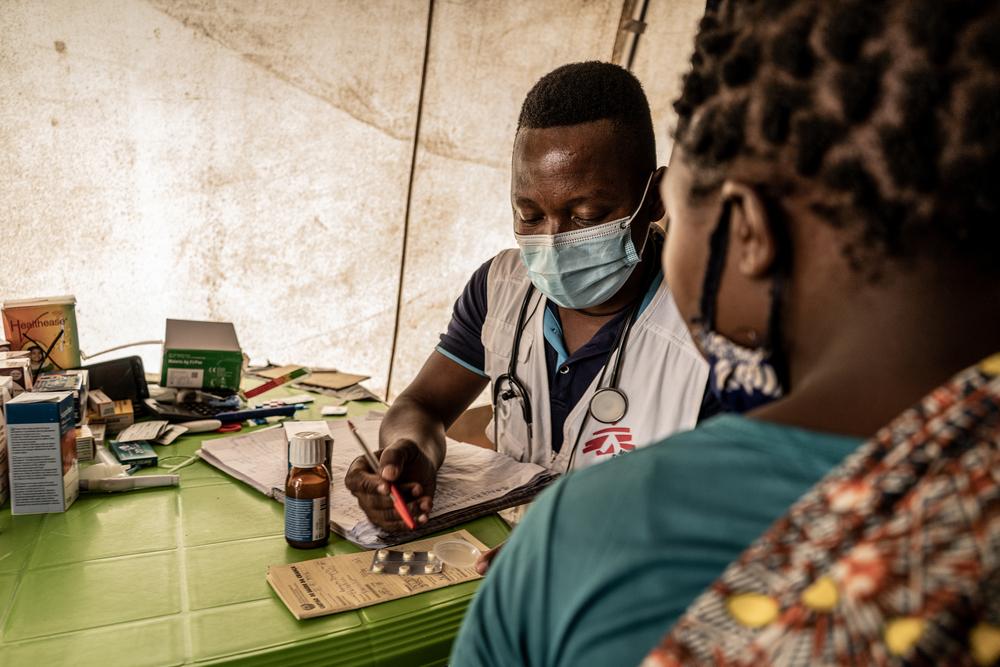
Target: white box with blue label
(6,390)
(41,447)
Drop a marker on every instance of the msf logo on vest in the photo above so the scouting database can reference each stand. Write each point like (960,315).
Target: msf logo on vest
(611,441)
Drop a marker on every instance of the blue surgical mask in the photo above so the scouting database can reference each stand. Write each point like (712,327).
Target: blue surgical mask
(586,267)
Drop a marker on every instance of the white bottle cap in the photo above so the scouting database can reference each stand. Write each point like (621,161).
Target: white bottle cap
(307,450)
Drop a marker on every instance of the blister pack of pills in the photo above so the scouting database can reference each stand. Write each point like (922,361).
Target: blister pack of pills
(406,563)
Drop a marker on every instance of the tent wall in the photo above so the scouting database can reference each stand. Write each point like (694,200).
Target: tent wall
(251,161)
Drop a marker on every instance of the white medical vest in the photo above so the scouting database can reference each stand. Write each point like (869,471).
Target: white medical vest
(662,375)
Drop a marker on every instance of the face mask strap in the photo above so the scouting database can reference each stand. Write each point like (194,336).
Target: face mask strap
(782,272)
(718,246)
(642,202)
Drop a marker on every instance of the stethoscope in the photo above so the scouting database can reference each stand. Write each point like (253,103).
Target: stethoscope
(608,405)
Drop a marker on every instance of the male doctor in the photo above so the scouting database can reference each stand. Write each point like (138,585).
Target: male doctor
(575,330)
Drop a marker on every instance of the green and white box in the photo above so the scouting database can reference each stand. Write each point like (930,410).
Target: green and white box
(201,355)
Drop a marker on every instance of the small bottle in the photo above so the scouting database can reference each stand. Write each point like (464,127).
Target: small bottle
(307,493)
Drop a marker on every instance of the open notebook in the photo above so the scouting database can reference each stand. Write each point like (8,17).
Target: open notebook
(472,481)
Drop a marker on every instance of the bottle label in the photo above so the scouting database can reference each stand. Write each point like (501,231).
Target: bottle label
(306,520)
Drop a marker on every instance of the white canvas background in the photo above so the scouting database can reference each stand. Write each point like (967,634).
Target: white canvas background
(249,161)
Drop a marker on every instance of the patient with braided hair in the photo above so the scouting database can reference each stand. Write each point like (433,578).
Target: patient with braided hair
(834,236)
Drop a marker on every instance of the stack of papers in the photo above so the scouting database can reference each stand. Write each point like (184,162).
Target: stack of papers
(340,385)
(259,459)
(472,482)
(355,392)
(327,381)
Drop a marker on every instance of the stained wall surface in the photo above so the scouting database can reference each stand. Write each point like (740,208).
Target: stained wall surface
(250,160)
(212,160)
(662,57)
(461,212)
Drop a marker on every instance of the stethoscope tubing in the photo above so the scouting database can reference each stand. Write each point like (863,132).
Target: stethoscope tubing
(517,389)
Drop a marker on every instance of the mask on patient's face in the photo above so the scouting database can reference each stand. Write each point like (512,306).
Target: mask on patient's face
(741,378)
(586,267)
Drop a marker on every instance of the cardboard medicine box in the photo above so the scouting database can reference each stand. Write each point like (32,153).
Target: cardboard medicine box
(84,444)
(100,403)
(119,421)
(41,443)
(73,381)
(18,370)
(46,328)
(201,355)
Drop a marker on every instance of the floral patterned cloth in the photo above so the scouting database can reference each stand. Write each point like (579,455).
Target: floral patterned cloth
(892,559)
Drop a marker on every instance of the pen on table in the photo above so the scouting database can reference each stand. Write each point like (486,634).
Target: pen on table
(271,384)
(113,484)
(397,498)
(236,416)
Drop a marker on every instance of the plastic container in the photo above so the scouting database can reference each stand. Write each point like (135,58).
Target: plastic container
(456,553)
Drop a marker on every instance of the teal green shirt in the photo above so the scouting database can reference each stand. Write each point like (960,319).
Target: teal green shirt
(609,558)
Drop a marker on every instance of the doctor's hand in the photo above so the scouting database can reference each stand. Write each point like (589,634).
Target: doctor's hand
(486,558)
(405,465)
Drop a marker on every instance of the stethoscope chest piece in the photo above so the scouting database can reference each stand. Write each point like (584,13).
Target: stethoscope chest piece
(608,405)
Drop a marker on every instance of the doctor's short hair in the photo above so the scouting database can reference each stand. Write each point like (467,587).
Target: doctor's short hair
(590,91)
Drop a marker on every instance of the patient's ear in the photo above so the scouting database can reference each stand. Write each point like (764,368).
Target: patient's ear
(752,243)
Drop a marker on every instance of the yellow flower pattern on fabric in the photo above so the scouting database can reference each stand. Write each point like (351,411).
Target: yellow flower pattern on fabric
(902,633)
(991,365)
(821,596)
(752,610)
(985,643)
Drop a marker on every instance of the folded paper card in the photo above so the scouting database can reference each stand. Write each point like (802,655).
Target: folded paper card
(339,583)
(334,379)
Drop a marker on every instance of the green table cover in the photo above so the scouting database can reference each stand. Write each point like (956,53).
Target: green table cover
(170,576)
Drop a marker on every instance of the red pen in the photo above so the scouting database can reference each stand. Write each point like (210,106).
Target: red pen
(397,498)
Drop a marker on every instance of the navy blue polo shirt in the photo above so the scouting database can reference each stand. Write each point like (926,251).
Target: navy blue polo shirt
(569,375)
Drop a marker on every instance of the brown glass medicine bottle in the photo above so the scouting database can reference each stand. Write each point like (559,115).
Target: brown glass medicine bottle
(307,492)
